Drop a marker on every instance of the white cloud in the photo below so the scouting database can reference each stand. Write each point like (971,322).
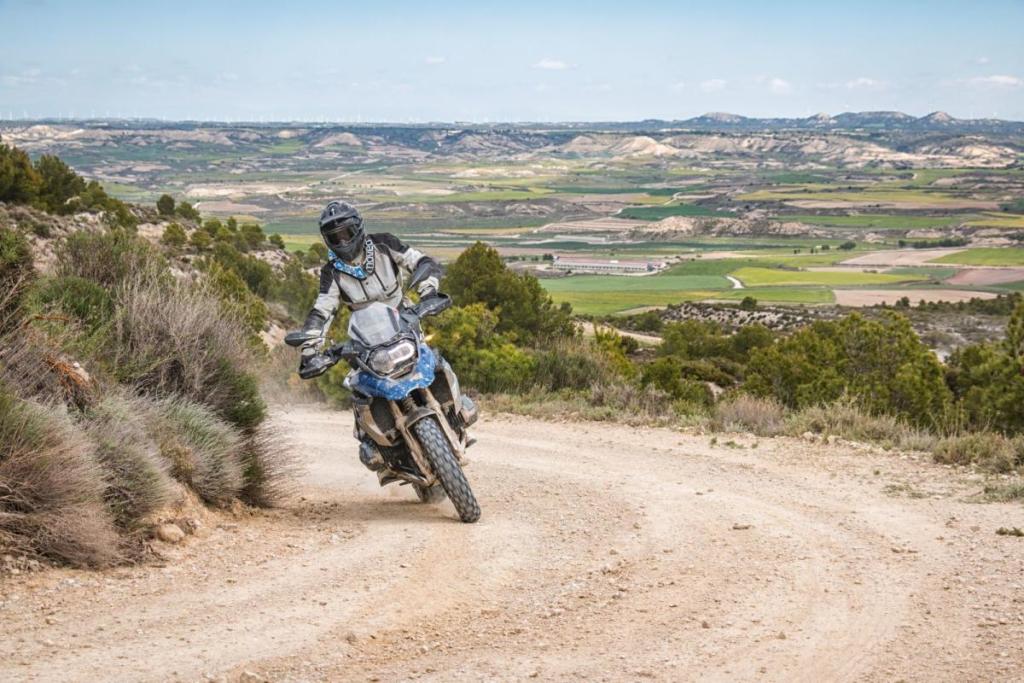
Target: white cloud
(435,60)
(863,83)
(780,86)
(981,61)
(549,64)
(678,86)
(712,85)
(999,81)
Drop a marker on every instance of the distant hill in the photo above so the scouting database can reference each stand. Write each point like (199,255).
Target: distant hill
(885,121)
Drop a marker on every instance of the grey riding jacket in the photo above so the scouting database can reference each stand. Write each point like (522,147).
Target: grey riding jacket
(379,278)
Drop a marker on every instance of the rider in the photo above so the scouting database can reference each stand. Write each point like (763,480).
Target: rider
(360,270)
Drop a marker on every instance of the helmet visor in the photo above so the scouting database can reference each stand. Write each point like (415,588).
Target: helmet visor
(341,232)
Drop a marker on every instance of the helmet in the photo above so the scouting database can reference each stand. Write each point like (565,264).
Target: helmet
(341,226)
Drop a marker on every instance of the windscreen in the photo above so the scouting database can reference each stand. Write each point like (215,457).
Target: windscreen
(374,325)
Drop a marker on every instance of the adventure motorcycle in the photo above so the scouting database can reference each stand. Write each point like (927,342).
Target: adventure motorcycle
(406,399)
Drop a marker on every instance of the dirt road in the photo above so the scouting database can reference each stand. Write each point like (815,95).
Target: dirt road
(604,553)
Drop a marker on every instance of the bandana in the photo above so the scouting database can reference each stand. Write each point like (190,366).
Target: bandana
(359,272)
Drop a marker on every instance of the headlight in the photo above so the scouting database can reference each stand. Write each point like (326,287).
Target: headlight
(387,360)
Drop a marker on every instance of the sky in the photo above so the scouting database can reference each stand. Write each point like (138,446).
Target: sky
(511,61)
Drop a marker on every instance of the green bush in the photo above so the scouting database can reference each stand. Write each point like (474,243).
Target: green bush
(174,236)
(666,374)
(743,412)
(880,364)
(16,271)
(19,180)
(165,205)
(186,211)
(106,257)
(248,307)
(575,364)
(89,303)
(484,359)
(268,468)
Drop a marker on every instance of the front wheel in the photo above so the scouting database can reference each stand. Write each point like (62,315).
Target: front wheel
(439,454)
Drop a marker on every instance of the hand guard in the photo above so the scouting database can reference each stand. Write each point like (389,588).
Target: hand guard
(428,287)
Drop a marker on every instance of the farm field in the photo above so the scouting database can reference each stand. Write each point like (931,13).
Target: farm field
(802,224)
(992,256)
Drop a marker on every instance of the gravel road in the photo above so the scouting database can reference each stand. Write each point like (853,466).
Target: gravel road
(605,553)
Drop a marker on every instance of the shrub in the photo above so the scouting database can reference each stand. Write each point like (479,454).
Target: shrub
(201,240)
(276,241)
(525,311)
(138,480)
(186,211)
(88,302)
(165,205)
(484,359)
(19,180)
(203,451)
(16,271)
(107,257)
(881,364)
(268,468)
(845,419)
(51,488)
(575,364)
(987,450)
(248,307)
(174,236)
(175,338)
(743,412)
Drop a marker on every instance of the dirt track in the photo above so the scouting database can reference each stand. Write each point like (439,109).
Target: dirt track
(604,553)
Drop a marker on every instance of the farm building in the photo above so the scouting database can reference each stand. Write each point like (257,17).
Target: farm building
(607,266)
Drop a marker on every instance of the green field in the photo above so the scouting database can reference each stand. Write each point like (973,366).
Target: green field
(656,213)
(985,256)
(768,277)
(876,221)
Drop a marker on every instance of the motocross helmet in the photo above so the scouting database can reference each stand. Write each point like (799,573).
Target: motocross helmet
(341,226)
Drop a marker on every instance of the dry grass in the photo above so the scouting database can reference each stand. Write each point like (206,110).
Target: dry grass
(844,419)
(203,451)
(139,480)
(988,451)
(51,488)
(269,468)
(746,413)
(173,338)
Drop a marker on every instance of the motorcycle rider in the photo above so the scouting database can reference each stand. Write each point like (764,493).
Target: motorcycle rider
(361,269)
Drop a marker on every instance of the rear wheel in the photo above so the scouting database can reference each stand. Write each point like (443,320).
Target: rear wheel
(439,453)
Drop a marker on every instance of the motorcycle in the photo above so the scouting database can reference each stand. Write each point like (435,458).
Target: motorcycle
(406,399)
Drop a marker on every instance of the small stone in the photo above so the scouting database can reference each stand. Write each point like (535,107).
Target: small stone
(251,677)
(170,533)
(351,638)
(781,635)
(705,624)
(740,527)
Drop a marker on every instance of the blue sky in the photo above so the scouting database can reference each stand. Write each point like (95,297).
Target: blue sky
(509,61)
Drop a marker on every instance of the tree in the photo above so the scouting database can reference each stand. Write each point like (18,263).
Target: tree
(276,241)
(201,240)
(174,236)
(847,246)
(59,183)
(165,205)
(525,311)
(881,364)
(186,211)
(252,235)
(19,180)
(749,303)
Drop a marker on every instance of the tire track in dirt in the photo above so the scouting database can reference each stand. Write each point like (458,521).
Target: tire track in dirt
(605,552)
